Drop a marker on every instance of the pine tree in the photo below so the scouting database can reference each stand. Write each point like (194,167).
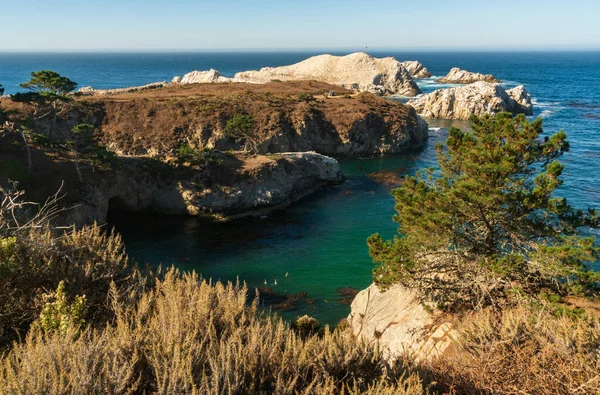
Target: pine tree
(487,227)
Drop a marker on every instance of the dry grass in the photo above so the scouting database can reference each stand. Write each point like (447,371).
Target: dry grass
(524,351)
(187,335)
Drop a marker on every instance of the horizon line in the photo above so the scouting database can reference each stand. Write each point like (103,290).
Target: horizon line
(311,49)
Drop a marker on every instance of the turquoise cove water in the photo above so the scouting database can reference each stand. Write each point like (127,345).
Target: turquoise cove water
(318,245)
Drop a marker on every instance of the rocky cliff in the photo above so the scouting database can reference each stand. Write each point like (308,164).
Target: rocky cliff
(358,71)
(458,76)
(416,69)
(284,117)
(478,98)
(231,186)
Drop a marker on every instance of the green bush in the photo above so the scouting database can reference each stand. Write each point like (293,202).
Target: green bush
(241,128)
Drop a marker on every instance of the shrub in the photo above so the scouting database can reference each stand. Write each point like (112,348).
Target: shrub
(60,316)
(523,351)
(241,128)
(306,97)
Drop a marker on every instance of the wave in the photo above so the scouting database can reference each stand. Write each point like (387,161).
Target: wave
(435,129)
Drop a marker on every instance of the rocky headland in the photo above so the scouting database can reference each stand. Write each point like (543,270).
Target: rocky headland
(219,150)
(478,98)
(458,76)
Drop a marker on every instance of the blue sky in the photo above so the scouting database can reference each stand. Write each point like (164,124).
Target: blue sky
(280,24)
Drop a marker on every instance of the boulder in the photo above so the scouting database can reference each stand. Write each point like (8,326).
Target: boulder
(478,98)
(399,324)
(458,76)
(358,71)
(416,69)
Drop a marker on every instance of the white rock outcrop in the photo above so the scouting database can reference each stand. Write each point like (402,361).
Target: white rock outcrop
(416,69)
(458,76)
(88,90)
(202,77)
(398,323)
(478,98)
(358,71)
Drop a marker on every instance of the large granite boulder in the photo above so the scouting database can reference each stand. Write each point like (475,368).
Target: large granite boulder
(416,69)
(478,98)
(458,76)
(399,324)
(358,71)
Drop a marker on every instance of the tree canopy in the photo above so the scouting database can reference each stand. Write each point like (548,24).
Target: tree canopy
(50,82)
(487,227)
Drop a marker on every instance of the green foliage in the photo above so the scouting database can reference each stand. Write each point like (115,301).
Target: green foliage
(489,221)
(8,256)
(241,128)
(50,82)
(82,136)
(58,315)
(306,97)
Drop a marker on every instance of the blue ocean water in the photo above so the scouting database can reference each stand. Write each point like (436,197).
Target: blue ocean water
(318,245)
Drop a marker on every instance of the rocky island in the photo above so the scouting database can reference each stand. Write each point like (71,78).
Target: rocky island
(458,76)
(478,98)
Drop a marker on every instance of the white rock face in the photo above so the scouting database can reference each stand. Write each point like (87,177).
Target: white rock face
(358,71)
(88,90)
(416,69)
(399,324)
(458,76)
(478,98)
(199,77)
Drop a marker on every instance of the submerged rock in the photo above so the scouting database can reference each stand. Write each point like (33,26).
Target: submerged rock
(358,71)
(458,76)
(416,69)
(478,98)
(399,324)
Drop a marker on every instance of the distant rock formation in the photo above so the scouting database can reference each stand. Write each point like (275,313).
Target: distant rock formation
(416,69)
(399,324)
(477,98)
(458,76)
(88,90)
(358,71)
(196,77)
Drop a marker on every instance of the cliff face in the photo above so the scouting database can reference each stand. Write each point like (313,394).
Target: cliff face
(478,98)
(292,116)
(231,187)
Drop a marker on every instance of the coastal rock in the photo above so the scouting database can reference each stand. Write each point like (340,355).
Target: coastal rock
(234,187)
(88,90)
(399,324)
(358,71)
(203,77)
(478,98)
(416,69)
(458,76)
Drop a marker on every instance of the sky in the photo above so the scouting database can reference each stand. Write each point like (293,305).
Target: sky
(179,25)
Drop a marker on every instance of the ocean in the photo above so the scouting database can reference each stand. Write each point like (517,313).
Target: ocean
(318,245)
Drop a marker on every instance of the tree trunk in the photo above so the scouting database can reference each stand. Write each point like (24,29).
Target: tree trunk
(29,164)
(77,169)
